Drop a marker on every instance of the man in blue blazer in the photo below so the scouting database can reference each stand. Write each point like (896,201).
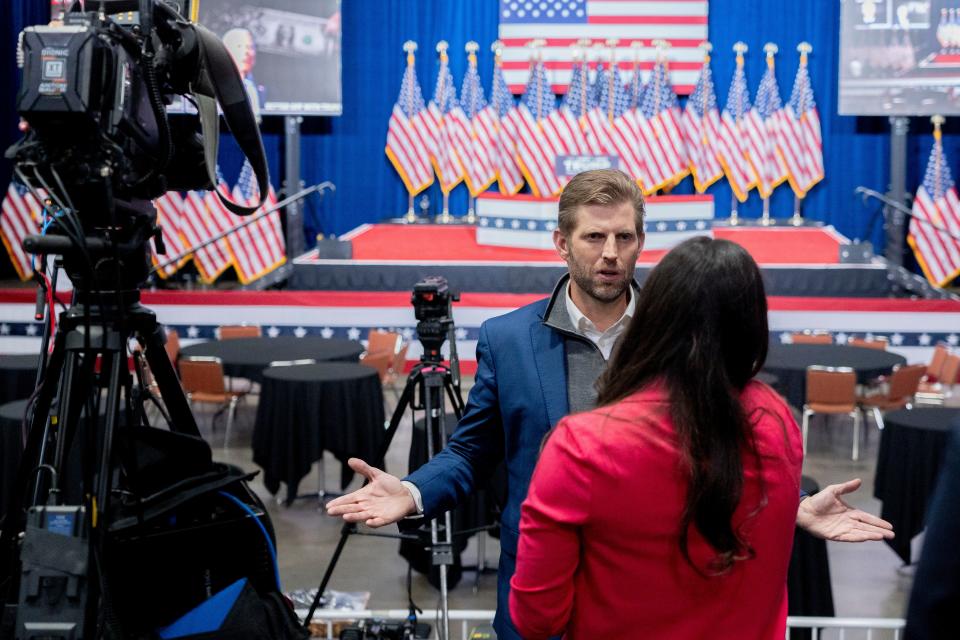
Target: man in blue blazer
(539,363)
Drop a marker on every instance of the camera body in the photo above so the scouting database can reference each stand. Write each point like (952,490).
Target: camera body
(432,306)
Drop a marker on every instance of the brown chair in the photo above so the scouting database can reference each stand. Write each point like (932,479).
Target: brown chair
(172,346)
(937,392)
(900,391)
(832,390)
(940,353)
(202,380)
(388,342)
(233,331)
(877,342)
(380,361)
(811,337)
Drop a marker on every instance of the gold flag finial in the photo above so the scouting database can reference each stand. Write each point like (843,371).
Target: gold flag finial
(805,49)
(661,46)
(740,48)
(937,121)
(771,50)
(576,52)
(497,48)
(535,45)
(706,47)
(471,48)
(411,48)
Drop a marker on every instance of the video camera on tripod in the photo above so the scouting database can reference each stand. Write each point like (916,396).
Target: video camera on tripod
(432,306)
(151,527)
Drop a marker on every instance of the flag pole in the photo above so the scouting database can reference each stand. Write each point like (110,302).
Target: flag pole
(771,50)
(471,48)
(797,220)
(739,48)
(442,46)
(410,47)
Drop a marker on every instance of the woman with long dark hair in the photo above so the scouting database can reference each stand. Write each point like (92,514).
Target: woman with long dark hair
(668,512)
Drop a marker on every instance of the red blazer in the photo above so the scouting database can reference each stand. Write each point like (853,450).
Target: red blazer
(598,554)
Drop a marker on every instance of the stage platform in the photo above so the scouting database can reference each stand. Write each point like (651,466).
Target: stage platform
(802,261)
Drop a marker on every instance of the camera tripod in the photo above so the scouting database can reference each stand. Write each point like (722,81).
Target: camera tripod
(93,333)
(425,388)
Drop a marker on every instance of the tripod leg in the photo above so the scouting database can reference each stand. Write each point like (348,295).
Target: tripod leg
(182,420)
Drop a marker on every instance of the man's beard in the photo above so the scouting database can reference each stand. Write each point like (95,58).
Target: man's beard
(600,291)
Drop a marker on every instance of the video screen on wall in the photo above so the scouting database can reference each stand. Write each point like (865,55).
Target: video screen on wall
(899,57)
(287,51)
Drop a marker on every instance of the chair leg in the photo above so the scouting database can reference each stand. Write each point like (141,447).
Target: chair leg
(856,435)
(878,416)
(231,412)
(806,425)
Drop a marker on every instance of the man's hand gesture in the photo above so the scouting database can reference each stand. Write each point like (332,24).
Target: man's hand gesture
(381,501)
(826,515)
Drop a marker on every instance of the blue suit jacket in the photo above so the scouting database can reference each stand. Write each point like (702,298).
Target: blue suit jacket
(520,393)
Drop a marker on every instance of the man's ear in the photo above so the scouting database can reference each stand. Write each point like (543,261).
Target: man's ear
(640,240)
(560,241)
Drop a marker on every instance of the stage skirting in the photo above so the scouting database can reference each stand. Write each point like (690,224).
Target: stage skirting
(913,326)
(795,262)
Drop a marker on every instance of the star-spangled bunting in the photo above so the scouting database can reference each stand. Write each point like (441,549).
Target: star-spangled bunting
(935,225)
(409,139)
(701,131)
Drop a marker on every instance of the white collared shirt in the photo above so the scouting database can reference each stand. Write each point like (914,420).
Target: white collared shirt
(603,339)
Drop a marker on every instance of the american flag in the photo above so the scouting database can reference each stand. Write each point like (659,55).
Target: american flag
(447,121)
(535,151)
(936,202)
(409,139)
(733,140)
(800,139)
(504,113)
(198,226)
(259,248)
(567,120)
(635,87)
(169,217)
(661,141)
(682,23)
(701,130)
(620,124)
(768,166)
(20,215)
(596,124)
(478,158)
(576,104)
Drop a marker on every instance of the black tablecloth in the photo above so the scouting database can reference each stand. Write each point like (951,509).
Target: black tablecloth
(480,510)
(18,376)
(248,357)
(911,454)
(308,409)
(808,579)
(789,363)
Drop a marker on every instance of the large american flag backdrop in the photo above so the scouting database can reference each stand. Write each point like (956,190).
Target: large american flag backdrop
(682,23)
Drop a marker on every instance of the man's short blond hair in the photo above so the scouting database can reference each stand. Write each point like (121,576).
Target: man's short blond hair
(605,187)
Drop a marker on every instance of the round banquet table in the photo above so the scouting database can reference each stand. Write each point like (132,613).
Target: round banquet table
(789,363)
(912,444)
(18,376)
(248,357)
(307,409)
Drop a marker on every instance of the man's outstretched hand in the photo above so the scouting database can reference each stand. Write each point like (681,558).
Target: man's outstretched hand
(826,515)
(382,501)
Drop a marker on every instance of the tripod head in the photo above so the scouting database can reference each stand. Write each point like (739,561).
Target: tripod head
(432,305)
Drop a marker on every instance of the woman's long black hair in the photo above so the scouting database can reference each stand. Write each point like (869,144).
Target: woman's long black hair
(700,328)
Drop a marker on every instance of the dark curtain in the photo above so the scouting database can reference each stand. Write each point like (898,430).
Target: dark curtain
(348,150)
